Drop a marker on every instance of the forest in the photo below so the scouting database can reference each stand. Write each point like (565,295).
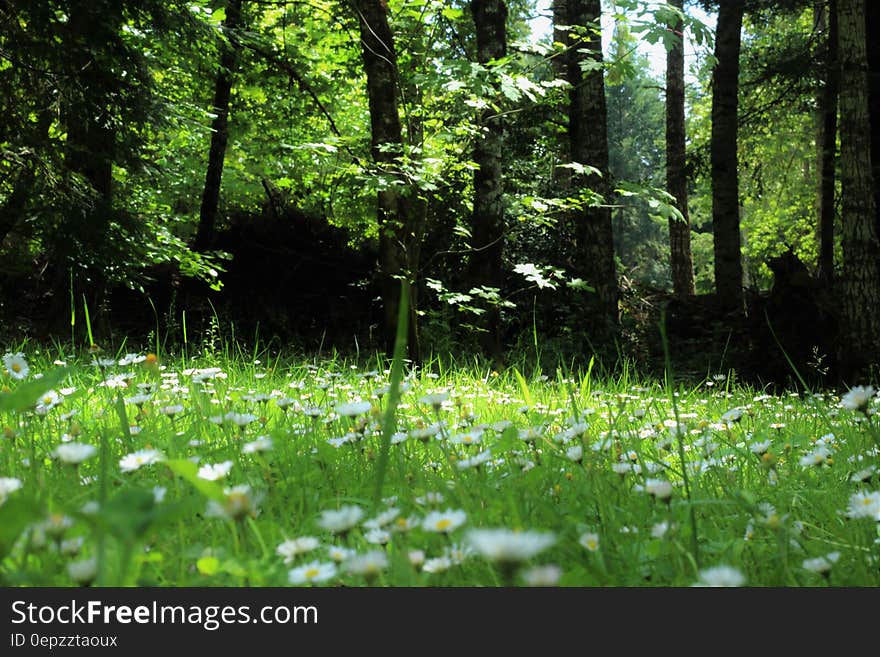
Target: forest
(617,258)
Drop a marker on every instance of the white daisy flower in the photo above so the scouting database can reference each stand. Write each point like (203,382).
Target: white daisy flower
(340,520)
(444,522)
(721,576)
(8,485)
(74,453)
(352,409)
(858,398)
(864,505)
(542,575)
(821,565)
(508,546)
(590,541)
(292,548)
(83,572)
(312,573)
(138,459)
(16,366)
(261,444)
(369,564)
(215,471)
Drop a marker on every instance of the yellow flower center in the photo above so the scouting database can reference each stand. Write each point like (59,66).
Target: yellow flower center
(16,367)
(867,501)
(592,545)
(443,524)
(311,573)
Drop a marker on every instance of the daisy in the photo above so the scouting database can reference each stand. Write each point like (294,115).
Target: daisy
(864,505)
(416,558)
(508,546)
(16,366)
(74,453)
(817,457)
(339,554)
(313,572)
(369,564)
(444,522)
(292,548)
(135,460)
(377,536)
(83,572)
(721,576)
(353,409)
(661,489)
(589,541)
(8,485)
(261,444)
(575,453)
(437,565)
(821,565)
(215,471)
(858,398)
(475,461)
(382,519)
(341,520)
(240,502)
(542,575)
(171,410)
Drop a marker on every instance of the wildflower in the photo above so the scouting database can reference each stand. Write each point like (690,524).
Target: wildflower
(83,572)
(864,505)
(261,444)
(469,438)
(16,366)
(341,520)
(444,522)
(661,489)
(416,558)
(858,398)
(475,461)
(426,433)
(661,529)
(72,546)
(430,498)
(369,564)
(159,494)
(590,541)
(382,519)
(74,453)
(339,554)
(760,448)
(352,409)
(313,572)
(215,471)
(8,485)
(575,453)
(171,410)
(135,460)
(508,546)
(377,536)
(437,565)
(542,575)
(240,502)
(435,399)
(292,548)
(56,525)
(48,400)
(241,420)
(721,576)
(821,565)
(733,415)
(818,456)
(863,475)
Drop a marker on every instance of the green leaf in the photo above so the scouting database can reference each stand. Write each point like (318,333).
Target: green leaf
(26,395)
(208,565)
(188,471)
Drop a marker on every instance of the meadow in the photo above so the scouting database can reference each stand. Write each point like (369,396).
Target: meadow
(249,469)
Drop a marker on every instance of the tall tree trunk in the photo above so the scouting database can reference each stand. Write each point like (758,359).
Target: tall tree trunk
(219,127)
(725,179)
(588,132)
(860,287)
(872,18)
(487,232)
(681,262)
(827,141)
(400,214)
(561,176)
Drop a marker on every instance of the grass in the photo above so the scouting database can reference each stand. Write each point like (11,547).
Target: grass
(589,472)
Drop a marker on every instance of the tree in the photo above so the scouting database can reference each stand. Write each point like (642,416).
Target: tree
(588,135)
(724,162)
(676,173)
(219,126)
(400,214)
(827,140)
(490,18)
(860,284)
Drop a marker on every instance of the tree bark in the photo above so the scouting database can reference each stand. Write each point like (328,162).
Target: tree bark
(827,142)
(681,261)
(872,31)
(219,128)
(860,284)
(725,179)
(400,216)
(588,132)
(487,225)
